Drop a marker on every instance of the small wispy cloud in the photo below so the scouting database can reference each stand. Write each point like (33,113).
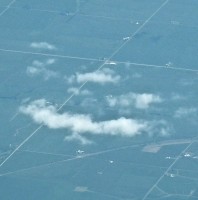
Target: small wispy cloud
(39,68)
(42,45)
(80,124)
(33,71)
(103,76)
(136,75)
(162,128)
(139,101)
(185,112)
(177,97)
(77,91)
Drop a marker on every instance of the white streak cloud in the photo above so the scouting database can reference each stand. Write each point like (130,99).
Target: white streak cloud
(42,45)
(80,124)
(139,101)
(102,77)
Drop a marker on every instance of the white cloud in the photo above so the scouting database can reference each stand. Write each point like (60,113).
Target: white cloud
(70,79)
(140,101)
(143,101)
(42,45)
(162,128)
(39,68)
(136,75)
(185,112)
(81,189)
(103,76)
(49,74)
(75,136)
(80,124)
(77,91)
(37,63)
(164,131)
(32,71)
(50,61)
